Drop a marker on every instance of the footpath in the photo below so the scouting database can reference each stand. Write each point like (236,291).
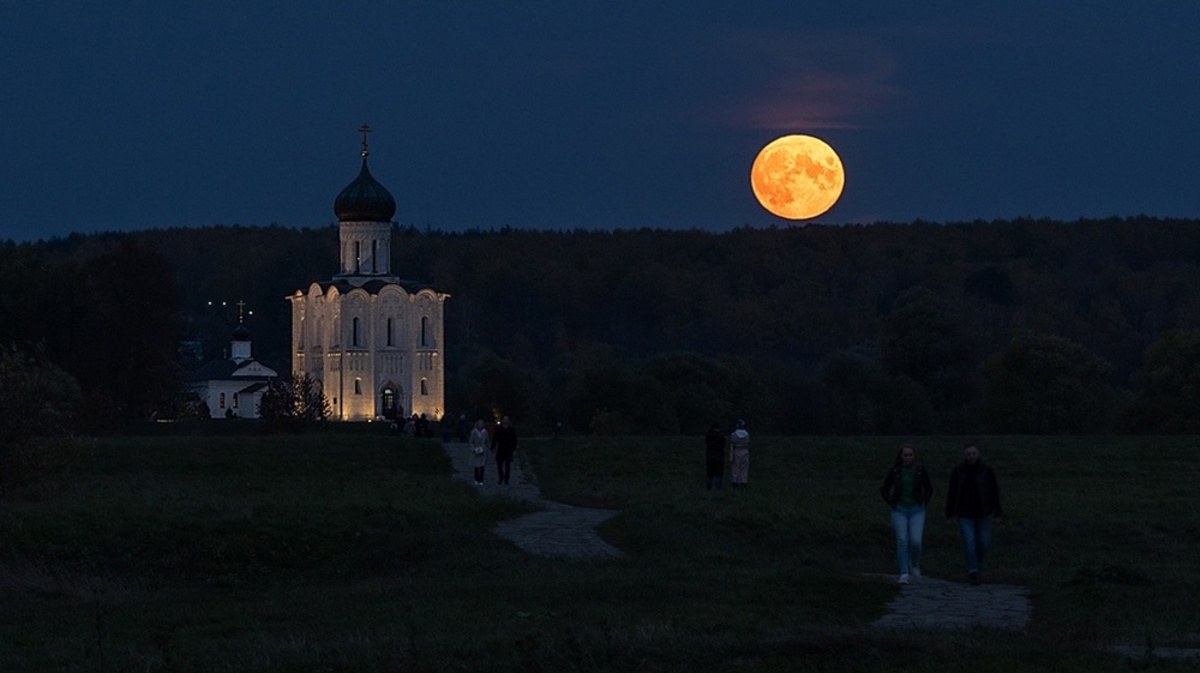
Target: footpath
(565,531)
(559,530)
(935,603)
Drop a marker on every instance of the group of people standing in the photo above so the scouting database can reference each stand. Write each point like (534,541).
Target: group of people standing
(739,457)
(972,501)
(501,441)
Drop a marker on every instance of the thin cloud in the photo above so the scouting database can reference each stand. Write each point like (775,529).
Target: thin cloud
(817,81)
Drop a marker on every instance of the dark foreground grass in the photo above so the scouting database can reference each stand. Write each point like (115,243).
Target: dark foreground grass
(360,553)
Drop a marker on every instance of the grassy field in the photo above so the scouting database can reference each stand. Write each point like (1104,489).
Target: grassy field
(359,553)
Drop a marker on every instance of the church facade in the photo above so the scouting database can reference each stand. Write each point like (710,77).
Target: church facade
(374,342)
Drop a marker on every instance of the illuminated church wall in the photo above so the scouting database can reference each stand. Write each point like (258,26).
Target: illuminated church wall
(373,341)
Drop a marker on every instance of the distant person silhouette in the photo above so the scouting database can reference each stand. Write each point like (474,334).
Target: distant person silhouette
(714,457)
(504,443)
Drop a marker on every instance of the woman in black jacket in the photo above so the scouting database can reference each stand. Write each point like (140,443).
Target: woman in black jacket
(907,489)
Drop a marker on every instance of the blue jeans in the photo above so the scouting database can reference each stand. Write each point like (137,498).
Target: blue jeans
(909,524)
(977,539)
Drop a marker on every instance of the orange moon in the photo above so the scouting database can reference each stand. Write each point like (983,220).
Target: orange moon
(797,177)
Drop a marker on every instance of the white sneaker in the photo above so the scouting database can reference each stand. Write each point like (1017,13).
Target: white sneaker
(915,572)
(904,578)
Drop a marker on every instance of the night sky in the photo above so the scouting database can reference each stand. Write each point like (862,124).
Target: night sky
(561,114)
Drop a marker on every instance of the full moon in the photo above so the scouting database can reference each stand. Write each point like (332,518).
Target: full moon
(797,177)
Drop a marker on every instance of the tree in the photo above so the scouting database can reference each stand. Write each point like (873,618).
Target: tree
(618,391)
(921,339)
(114,329)
(276,407)
(36,398)
(864,399)
(312,407)
(1043,384)
(297,406)
(1167,395)
(488,385)
(706,390)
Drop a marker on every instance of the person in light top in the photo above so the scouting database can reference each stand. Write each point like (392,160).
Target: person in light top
(480,443)
(739,456)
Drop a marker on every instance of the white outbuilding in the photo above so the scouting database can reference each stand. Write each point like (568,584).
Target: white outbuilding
(232,387)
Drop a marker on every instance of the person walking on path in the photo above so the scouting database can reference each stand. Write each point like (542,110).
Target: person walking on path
(504,443)
(480,443)
(974,501)
(714,457)
(739,456)
(907,489)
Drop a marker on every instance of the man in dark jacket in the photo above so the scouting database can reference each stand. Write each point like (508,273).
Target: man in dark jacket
(714,457)
(504,443)
(974,501)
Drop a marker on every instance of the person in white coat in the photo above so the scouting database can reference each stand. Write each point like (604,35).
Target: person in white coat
(739,456)
(480,443)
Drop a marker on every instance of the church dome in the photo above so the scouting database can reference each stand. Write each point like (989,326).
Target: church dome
(241,333)
(364,200)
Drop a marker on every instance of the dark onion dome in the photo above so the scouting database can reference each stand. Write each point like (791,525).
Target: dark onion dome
(364,200)
(240,333)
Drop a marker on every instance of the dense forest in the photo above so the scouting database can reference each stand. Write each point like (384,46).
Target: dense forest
(1025,326)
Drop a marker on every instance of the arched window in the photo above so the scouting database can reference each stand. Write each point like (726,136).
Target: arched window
(357,256)
(358,386)
(424,386)
(424,331)
(374,254)
(222,401)
(354,337)
(390,332)
(235,400)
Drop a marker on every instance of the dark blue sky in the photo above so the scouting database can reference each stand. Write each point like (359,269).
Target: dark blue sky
(560,114)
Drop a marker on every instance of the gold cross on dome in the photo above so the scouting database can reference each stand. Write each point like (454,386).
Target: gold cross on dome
(241,310)
(364,129)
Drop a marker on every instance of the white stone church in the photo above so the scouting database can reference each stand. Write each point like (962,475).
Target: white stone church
(373,341)
(232,387)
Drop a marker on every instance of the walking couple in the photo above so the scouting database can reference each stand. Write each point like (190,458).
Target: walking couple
(973,501)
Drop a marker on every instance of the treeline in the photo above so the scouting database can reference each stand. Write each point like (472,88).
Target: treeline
(1008,326)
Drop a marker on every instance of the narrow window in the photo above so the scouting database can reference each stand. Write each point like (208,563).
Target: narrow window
(357,256)
(222,402)
(390,341)
(424,331)
(358,386)
(424,387)
(354,337)
(235,400)
(374,252)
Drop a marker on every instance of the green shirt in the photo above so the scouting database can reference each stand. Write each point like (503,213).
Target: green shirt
(906,488)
